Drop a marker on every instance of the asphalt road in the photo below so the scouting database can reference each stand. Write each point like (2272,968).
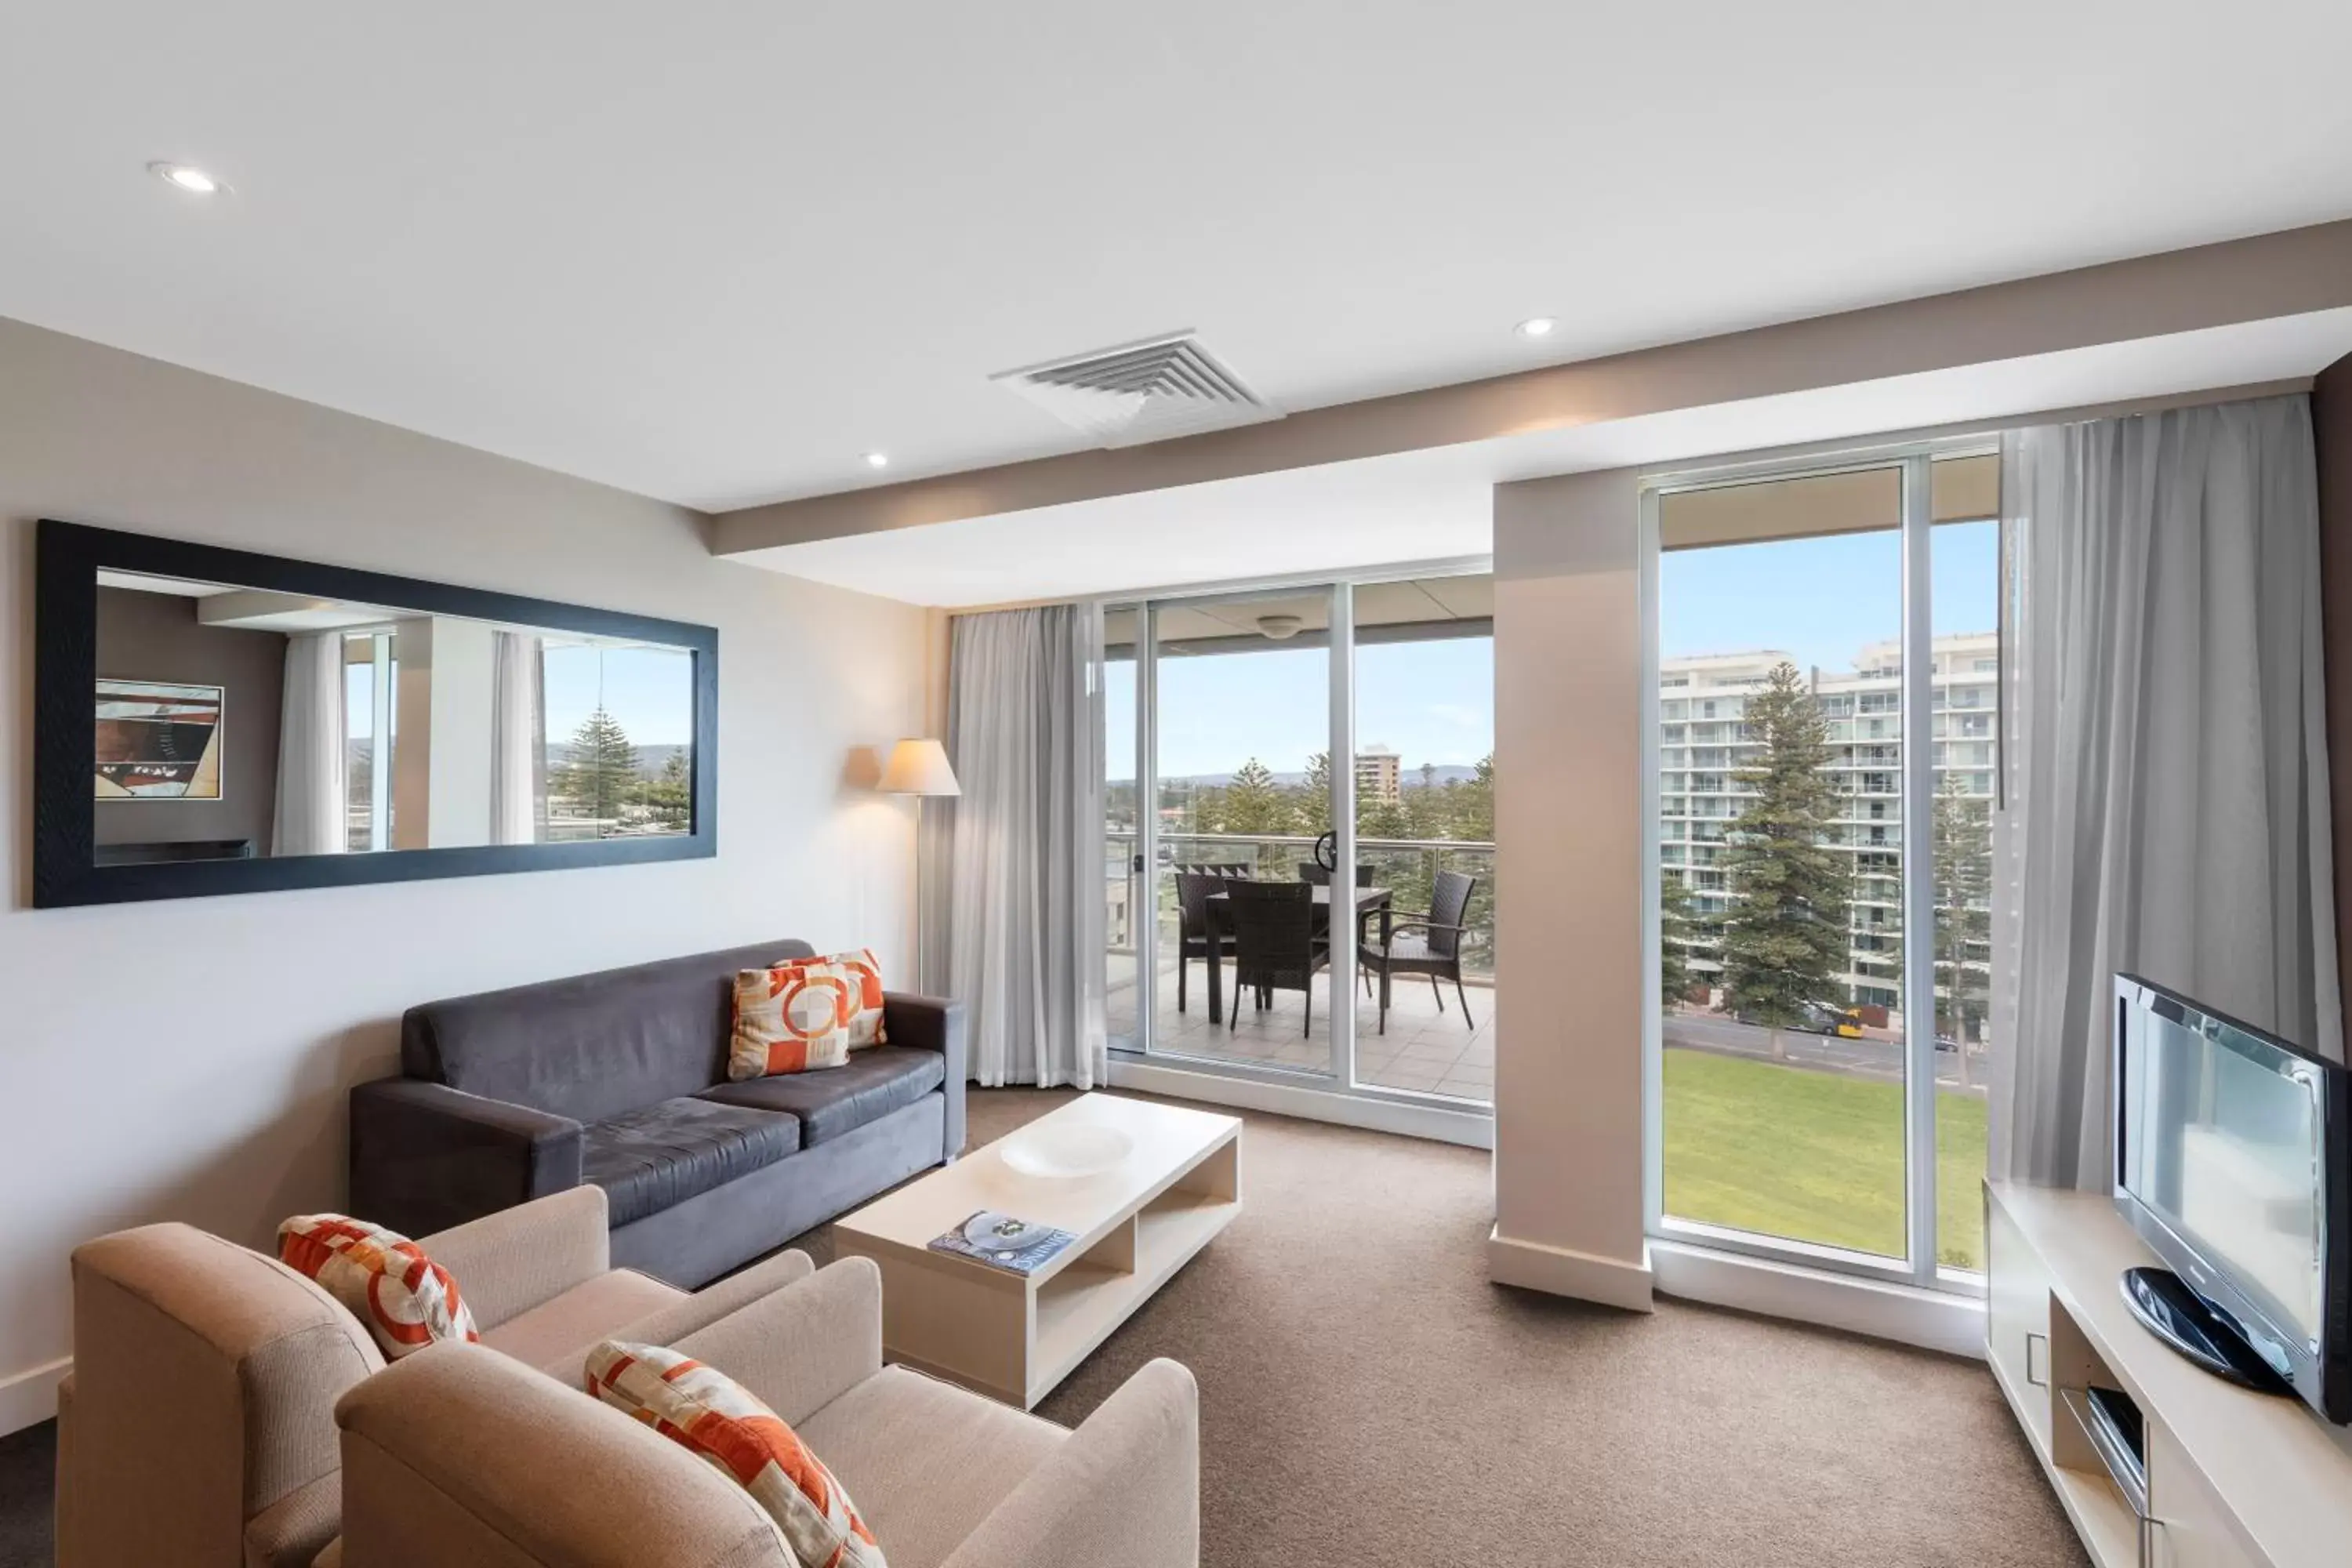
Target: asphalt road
(1881,1060)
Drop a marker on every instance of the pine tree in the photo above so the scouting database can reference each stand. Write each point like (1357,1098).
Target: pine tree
(1962,834)
(1252,803)
(600,776)
(1314,799)
(1424,809)
(1673,938)
(1786,939)
(1474,811)
(670,794)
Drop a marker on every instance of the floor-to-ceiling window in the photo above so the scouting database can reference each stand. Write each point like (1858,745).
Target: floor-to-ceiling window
(1826,657)
(1256,890)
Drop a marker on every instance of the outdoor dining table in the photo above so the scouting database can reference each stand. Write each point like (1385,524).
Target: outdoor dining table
(1368,899)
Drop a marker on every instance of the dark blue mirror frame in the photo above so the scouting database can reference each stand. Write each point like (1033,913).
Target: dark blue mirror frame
(65,674)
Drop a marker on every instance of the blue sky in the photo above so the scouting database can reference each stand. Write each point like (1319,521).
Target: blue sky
(649,690)
(1818,600)
(1429,702)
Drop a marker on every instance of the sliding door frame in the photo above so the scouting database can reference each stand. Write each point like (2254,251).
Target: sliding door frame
(1916,521)
(1341,735)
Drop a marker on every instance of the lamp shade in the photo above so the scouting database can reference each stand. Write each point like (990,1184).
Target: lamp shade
(917,767)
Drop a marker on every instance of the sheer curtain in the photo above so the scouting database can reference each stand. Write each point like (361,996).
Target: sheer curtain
(517,741)
(312,811)
(2166,771)
(1018,936)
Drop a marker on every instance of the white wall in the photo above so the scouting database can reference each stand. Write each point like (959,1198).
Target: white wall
(189,1059)
(1569,990)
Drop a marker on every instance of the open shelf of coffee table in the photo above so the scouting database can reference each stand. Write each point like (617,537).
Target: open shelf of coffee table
(1076,1308)
(1137,1222)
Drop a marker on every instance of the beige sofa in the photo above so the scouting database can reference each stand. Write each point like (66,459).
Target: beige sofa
(456,1456)
(197,1429)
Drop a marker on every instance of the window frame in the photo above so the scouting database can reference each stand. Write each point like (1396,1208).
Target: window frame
(1922,1266)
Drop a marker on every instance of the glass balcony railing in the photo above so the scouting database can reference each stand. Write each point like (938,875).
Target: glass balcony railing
(1408,867)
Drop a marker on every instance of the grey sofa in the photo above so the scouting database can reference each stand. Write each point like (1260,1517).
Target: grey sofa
(619,1079)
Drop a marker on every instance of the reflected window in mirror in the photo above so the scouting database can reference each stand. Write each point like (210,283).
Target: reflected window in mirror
(616,737)
(234,722)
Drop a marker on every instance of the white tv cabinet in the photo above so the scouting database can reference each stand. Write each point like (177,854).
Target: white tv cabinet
(2234,1480)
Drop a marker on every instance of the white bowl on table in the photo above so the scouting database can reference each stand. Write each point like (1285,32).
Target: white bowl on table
(1066,1153)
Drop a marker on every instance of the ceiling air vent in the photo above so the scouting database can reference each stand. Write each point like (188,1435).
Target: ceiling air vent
(1143,392)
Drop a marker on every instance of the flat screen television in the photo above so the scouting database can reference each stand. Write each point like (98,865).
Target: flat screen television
(2233,1161)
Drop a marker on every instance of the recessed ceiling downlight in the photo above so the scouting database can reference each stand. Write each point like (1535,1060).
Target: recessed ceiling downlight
(1537,327)
(187,177)
(877,460)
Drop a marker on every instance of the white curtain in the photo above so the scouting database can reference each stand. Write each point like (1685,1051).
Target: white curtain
(2167,788)
(1023,907)
(517,739)
(312,812)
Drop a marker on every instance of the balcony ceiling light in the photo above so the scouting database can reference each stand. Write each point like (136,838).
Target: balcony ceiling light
(1279,628)
(187,177)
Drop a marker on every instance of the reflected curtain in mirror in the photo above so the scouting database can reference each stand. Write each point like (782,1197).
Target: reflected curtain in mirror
(311,753)
(518,745)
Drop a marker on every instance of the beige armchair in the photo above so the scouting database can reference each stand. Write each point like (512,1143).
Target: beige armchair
(456,1457)
(197,1429)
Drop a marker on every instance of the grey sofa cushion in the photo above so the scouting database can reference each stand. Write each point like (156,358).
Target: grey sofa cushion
(648,1159)
(593,1045)
(832,1100)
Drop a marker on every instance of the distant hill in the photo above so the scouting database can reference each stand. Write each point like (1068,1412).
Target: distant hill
(1445,774)
(651,760)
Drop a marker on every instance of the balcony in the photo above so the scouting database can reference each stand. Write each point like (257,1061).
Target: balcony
(1429,1048)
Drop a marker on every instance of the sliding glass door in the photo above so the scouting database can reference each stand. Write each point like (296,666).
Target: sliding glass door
(1273,914)
(1242,721)
(1825,660)
(1127,945)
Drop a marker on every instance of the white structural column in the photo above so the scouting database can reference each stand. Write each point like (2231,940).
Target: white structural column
(1571,981)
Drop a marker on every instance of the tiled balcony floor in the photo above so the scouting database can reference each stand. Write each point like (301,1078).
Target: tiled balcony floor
(1425,1050)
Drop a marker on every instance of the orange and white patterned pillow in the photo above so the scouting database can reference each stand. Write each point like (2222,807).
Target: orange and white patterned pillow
(720,1421)
(381,1277)
(805,1014)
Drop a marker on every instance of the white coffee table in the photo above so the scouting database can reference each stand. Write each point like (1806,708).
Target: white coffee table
(1137,1222)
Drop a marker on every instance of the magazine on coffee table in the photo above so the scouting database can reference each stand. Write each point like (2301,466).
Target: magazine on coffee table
(1001,1241)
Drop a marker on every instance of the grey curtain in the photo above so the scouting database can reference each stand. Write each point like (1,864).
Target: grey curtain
(312,813)
(1018,935)
(2166,772)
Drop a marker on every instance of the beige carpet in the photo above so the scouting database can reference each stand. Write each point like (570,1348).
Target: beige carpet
(1368,1398)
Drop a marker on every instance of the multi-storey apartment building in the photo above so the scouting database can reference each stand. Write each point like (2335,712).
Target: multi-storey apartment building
(1380,775)
(1703,742)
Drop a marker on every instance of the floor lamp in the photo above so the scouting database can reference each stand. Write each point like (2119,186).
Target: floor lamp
(919,768)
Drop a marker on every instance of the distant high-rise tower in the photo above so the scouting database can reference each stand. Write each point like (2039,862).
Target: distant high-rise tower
(1380,775)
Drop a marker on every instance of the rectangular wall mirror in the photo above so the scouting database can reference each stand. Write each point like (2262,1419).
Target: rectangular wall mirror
(215,722)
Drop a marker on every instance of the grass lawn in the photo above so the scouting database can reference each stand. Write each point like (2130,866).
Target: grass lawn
(1813,1156)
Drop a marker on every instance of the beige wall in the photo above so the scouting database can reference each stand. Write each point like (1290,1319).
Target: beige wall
(1568,966)
(190,1059)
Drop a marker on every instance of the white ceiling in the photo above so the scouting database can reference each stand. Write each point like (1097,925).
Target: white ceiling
(1437,504)
(715,251)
